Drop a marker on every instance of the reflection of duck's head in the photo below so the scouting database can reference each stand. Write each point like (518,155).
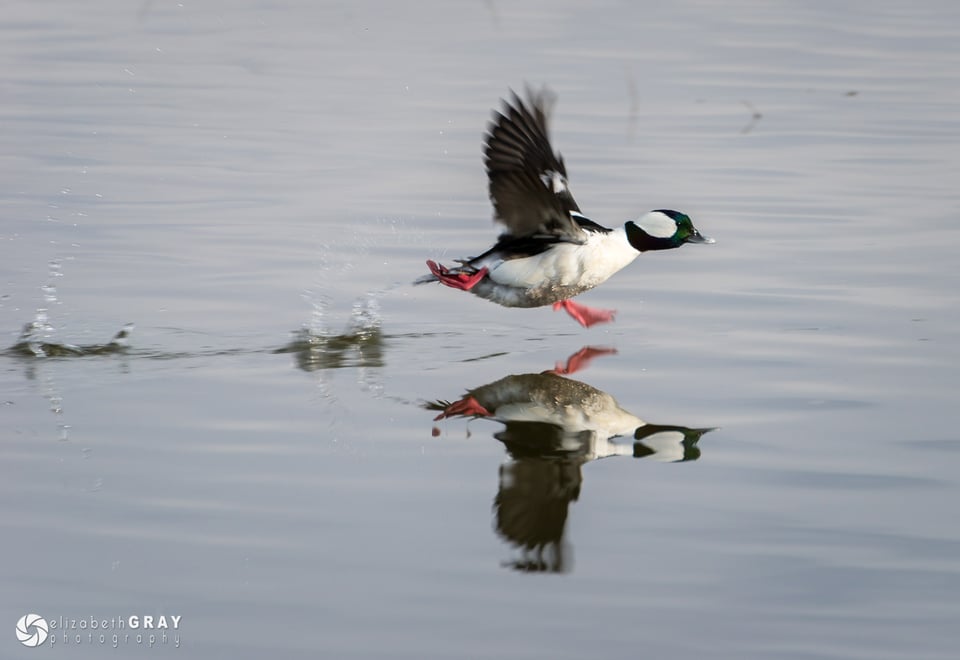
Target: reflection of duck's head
(667,443)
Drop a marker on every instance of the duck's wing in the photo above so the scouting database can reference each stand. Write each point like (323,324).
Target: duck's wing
(528,181)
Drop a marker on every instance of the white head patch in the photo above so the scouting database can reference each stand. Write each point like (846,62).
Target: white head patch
(667,445)
(658,225)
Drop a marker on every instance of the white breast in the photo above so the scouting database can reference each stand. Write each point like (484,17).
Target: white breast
(582,266)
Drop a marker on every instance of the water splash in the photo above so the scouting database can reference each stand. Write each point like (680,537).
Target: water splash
(365,322)
(36,341)
(121,340)
(319,303)
(337,263)
(41,331)
(335,351)
(366,318)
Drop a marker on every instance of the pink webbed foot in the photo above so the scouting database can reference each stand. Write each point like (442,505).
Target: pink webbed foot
(581,359)
(465,407)
(462,281)
(585,316)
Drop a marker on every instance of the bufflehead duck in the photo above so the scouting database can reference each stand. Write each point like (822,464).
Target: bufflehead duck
(550,252)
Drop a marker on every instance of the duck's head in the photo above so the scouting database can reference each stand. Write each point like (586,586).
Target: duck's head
(663,229)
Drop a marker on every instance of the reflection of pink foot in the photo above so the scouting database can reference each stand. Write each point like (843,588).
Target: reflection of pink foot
(581,359)
(464,281)
(465,407)
(585,316)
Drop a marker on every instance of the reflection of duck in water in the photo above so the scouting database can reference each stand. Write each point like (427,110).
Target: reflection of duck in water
(552,426)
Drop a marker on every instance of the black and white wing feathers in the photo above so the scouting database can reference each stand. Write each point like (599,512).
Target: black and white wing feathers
(528,181)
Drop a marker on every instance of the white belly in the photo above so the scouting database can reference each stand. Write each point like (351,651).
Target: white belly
(568,265)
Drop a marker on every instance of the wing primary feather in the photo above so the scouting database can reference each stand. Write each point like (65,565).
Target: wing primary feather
(527,179)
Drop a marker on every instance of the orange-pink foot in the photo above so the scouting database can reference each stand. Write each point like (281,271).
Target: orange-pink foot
(463,281)
(585,316)
(581,359)
(465,407)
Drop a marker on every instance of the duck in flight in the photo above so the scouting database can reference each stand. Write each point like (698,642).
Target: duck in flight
(550,251)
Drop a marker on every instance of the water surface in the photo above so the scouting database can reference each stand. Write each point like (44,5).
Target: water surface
(253,186)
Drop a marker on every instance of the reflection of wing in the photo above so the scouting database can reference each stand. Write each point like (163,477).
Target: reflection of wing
(531,509)
(528,182)
(545,440)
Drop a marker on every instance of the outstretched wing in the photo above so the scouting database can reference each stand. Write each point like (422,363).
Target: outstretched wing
(528,181)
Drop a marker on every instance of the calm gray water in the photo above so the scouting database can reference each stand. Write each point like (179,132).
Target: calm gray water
(254,184)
